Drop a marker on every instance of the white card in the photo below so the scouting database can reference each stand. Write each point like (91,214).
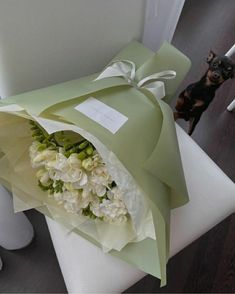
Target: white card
(103,114)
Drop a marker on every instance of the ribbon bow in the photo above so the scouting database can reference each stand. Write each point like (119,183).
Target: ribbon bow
(127,70)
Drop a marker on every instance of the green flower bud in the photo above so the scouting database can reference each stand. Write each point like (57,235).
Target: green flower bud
(81,155)
(68,146)
(73,150)
(87,164)
(89,150)
(42,147)
(83,145)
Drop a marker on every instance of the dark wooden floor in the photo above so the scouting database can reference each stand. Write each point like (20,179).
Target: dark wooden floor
(34,269)
(206,25)
(207,265)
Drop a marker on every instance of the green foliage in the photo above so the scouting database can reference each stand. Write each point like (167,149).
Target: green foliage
(69,141)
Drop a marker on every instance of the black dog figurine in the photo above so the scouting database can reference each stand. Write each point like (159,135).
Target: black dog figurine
(195,99)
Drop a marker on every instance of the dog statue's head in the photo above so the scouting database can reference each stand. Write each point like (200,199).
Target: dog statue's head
(221,68)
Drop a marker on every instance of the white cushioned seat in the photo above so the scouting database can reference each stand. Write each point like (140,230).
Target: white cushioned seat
(86,269)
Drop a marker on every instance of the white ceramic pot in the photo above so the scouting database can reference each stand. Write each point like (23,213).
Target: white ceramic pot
(16,231)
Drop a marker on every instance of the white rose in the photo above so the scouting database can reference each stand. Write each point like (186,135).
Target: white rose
(87,164)
(67,170)
(100,175)
(43,176)
(97,159)
(74,175)
(73,161)
(86,198)
(71,201)
(58,162)
(99,190)
(38,157)
(100,180)
(114,211)
(95,208)
(92,162)
(44,157)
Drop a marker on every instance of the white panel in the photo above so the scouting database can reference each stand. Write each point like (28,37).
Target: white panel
(50,41)
(161,18)
(231,51)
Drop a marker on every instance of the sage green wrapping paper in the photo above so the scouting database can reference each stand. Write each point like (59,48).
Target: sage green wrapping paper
(146,145)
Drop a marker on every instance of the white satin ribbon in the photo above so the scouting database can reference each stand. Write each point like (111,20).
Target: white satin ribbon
(127,70)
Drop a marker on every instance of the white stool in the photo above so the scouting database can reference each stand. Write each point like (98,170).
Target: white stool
(16,231)
(86,269)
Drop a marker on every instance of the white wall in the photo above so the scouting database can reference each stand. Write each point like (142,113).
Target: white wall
(43,42)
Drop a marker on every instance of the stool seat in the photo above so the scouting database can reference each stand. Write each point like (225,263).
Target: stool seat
(86,269)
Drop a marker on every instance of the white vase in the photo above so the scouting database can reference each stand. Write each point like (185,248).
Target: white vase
(16,231)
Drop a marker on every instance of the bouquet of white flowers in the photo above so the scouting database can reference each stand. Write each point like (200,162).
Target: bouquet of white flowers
(74,174)
(100,154)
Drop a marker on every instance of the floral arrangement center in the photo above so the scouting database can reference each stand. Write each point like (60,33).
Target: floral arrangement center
(70,169)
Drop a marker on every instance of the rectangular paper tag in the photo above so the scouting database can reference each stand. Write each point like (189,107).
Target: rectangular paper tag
(103,114)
